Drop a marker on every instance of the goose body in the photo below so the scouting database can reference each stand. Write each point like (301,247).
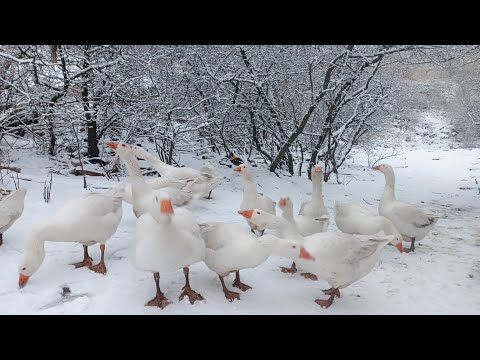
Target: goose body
(251,198)
(304,224)
(315,207)
(342,258)
(165,240)
(200,182)
(353,218)
(167,244)
(11,208)
(231,248)
(410,221)
(88,219)
(140,192)
(339,258)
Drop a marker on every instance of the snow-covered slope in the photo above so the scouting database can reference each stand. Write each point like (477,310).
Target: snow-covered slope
(442,276)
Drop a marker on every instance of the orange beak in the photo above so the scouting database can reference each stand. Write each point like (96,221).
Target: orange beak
(166,206)
(112,144)
(22,280)
(399,246)
(318,169)
(304,254)
(238,169)
(246,213)
(283,201)
(376,167)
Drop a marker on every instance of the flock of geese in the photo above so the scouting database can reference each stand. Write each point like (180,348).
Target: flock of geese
(168,237)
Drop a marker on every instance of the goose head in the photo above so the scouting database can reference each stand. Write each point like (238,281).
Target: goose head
(316,171)
(285,202)
(287,206)
(161,209)
(29,265)
(245,170)
(384,168)
(119,147)
(260,218)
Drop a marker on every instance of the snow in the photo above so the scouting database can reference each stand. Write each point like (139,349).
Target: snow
(442,276)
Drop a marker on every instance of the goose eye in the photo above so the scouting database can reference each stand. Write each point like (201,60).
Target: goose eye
(24,268)
(258,212)
(294,247)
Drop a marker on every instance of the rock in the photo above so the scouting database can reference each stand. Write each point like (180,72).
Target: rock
(66,291)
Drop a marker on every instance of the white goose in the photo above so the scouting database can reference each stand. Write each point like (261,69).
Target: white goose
(11,208)
(201,182)
(208,168)
(165,241)
(339,258)
(136,194)
(304,225)
(283,229)
(315,207)
(178,196)
(251,198)
(231,248)
(89,219)
(410,221)
(357,219)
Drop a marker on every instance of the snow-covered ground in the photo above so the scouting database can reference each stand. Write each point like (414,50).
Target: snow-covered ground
(442,276)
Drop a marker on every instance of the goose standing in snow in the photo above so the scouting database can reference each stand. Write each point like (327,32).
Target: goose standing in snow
(231,248)
(88,219)
(11,208)
(209,169)
(315,207)
(251,198)
(165,241)
(304,225)
(201,182)
(339,258)
(283,229)
(410,221)
(136,194)
(353,218)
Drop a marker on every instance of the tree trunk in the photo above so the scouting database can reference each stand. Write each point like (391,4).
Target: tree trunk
(290,163)
(53,139)
(92,139)
(306,117)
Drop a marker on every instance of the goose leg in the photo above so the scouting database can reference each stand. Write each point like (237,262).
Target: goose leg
(309,276)
(262,232)
(187,290)
(100,267)
(159,300)
(229,295)
(1,239)
(238,284)
(291,270)
(87,260)
(412,246)
(253,231)
(326,303)
(209,195)
(332,291)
